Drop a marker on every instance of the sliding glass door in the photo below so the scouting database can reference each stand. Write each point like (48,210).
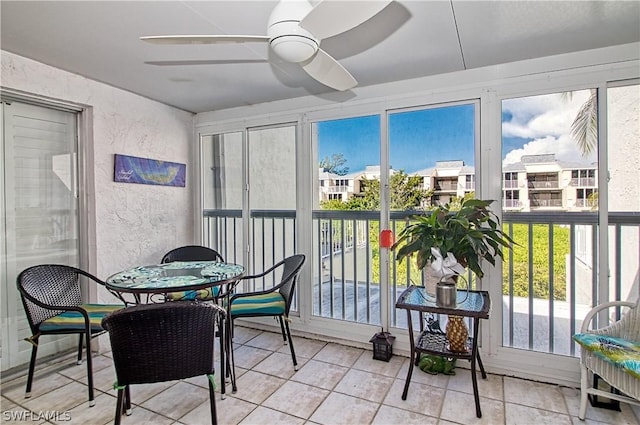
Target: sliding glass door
(249,195)
(39,211)
(555,207)
(375,172)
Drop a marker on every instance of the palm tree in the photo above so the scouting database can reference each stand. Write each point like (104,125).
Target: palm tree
(584,128)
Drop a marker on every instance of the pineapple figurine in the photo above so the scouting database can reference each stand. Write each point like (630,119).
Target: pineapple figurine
(457,334)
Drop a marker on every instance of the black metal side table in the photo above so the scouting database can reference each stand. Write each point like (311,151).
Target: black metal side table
(476,306)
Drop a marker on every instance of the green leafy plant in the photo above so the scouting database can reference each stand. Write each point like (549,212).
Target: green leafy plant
(471,234)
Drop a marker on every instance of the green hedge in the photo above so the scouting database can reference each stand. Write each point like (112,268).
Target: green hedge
(540,261)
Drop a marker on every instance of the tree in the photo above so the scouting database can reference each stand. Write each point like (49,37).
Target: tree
(333,204)
(334,165)
(406,193)
(369,197)
(455,203)
(584,127)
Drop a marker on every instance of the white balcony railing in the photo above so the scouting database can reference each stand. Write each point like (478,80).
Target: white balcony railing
(511,203)
(584,182)
(543,302)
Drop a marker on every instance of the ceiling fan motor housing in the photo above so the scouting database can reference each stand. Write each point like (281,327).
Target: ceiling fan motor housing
(287,39)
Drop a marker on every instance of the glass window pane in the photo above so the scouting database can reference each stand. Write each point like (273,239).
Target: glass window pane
(272,197)
(346,255)
(222,171)
(549,150)
(432,154)
(222,194)
(41,177)
(435,145)
(272,168)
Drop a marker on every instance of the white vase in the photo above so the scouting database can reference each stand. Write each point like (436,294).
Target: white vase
(430,280)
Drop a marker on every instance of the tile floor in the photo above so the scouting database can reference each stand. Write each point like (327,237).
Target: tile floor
(335,384)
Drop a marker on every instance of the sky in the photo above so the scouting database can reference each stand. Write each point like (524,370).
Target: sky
(530,125)
(541,124)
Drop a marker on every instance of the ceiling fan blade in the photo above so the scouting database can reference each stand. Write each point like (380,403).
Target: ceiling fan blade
(205,62)
(329,72)
(330,17)
(203,39)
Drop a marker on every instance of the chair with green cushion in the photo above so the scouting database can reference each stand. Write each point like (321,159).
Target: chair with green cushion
(610,351)
(54,305)
(193,253)
(275,301)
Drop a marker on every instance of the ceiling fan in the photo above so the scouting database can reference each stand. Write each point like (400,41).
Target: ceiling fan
(295,30)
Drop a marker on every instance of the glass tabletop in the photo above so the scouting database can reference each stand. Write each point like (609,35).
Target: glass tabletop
(175,276)
(473,304)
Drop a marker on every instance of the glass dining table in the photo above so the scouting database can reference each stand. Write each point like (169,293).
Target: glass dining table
(179,276)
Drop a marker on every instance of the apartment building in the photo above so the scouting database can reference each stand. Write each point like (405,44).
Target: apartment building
(536,182)
(334,186)
(542,182)
(448,179)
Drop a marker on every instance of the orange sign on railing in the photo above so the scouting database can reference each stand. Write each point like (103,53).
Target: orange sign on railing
(386,238)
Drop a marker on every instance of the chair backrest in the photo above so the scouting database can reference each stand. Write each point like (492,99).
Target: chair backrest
(47,285)
(163,342)
(290,273)
(628,327)
(192,253)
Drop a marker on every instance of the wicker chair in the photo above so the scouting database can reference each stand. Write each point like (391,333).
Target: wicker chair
(626,333)
(275,301)
(53,303)
(193,253)
(162,342)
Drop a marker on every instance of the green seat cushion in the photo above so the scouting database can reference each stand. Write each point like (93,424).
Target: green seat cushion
(617,351)
(73,320)
(207,294)
(262,305)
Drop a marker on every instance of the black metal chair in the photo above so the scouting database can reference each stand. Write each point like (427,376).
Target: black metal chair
(202,253)
(275,301)
(53,302)
(162,342)
(193,253)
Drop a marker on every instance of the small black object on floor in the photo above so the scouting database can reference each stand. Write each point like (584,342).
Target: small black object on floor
(610,404)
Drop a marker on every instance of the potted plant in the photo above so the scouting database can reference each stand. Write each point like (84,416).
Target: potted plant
(471,234)
(452,240)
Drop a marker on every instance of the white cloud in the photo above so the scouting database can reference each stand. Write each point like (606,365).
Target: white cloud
(564,148)
(541,116)
(546,121)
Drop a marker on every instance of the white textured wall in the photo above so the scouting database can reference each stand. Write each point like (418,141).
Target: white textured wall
(623,128)
(134,224)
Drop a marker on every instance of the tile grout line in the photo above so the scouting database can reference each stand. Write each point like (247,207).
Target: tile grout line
(55,368)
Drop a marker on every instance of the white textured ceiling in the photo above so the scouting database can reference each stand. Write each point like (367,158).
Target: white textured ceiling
(408,39)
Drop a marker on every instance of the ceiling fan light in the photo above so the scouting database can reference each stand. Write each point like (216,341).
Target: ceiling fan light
(294,48)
